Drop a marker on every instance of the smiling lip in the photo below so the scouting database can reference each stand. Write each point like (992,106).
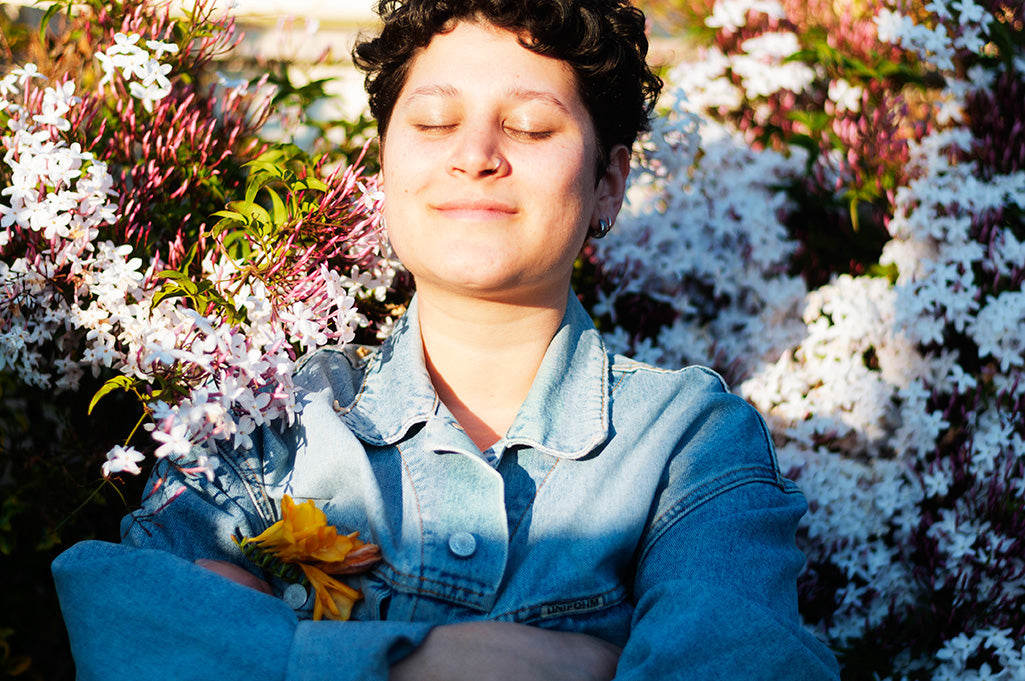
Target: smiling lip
(475,209)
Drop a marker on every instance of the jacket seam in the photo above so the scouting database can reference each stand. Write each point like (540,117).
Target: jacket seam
(706,492)
(419,519)
(255,489)
(428,588)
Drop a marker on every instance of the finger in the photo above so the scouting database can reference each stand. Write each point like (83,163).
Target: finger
(235,574)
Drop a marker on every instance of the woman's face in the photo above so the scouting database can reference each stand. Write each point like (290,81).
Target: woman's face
(488,168)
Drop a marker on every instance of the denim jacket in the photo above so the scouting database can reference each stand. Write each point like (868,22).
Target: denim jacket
(642,506)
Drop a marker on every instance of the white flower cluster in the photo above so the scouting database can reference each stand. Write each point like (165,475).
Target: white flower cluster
(957,26)
(731,15)
(854,505)
(56,202)
(762,67)
(57,199)
(140,67)
(849,338)
(939,260)
(242,373)
(711,247)
(246,369)
(955,654)
(851,376)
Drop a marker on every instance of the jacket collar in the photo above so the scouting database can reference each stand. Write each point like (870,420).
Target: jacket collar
(396,393)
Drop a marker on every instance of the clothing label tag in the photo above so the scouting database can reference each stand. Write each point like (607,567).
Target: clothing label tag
(573,607)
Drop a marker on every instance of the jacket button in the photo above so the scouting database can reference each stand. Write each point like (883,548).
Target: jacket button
(463,544)
(295,596)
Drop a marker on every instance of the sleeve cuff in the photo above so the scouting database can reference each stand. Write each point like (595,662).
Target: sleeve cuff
(146,614)
(351,651)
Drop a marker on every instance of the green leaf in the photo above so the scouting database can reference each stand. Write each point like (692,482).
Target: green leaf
(172,274)
(230,215)
(182,281)
(253,187)
(314,183)
(815,121)
(806,55)
(278,211)
(224,224)
(259,214)
(116,383)
(50,13)
(165,293)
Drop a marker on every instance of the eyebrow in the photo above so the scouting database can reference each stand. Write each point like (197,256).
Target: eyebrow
(433,91)
(538,95)
(438,90)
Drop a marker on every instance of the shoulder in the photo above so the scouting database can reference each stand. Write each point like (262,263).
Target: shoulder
(695,379)
(710,430)
(714,442)
(692,389)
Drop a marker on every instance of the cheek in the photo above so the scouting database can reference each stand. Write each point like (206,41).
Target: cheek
(398,163)
(571,191)
(575,171)
(397,182)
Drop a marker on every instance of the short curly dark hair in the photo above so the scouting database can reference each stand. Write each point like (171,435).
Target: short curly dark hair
(603,41)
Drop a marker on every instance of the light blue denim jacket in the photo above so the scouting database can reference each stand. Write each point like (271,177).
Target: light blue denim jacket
(642,506)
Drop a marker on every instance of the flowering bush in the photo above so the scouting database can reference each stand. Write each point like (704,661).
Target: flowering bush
(152,243)
(830,213)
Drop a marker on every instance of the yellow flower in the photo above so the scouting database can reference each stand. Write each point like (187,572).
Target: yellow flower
(302,537)
(332,598)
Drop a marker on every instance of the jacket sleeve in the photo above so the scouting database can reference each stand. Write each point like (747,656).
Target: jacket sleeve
(143,610)
(716,581)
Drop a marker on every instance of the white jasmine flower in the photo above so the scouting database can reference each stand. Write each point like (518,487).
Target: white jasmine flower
(27,73)
(847,97)
(159,48)
(174,441)
(8,85)
(970,39)
(763,70)
(890,25)
(731,15)
(999,329)
(968,12)
(939,9)
(122,460)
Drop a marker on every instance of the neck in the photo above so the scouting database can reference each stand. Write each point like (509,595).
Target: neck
(482,356)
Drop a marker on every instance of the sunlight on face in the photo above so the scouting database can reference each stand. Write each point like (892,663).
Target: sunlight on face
(488,168)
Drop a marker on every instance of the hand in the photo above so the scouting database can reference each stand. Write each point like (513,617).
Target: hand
(235,574)
(506,651)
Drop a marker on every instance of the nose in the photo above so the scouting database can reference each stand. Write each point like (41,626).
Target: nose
(478,152)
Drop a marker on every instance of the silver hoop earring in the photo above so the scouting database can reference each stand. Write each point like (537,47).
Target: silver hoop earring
(604,225)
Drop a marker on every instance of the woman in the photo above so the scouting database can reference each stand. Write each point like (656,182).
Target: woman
(544,511)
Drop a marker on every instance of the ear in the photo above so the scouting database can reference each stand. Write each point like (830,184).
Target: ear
(380,160)
(612,185)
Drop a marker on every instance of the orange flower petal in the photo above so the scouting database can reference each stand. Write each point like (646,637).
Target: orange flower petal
(331,597)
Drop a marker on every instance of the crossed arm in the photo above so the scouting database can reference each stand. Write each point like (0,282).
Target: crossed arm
(485,650)
(714,597)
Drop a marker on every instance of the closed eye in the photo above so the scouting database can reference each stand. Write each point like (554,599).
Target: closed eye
(529,134)
(423,127)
